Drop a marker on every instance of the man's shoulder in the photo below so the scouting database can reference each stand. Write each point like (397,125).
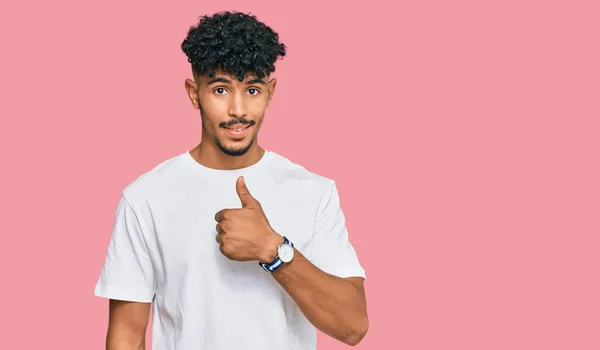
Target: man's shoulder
(285,170)
(154,179)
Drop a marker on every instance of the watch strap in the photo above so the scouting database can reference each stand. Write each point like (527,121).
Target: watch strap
(276,263)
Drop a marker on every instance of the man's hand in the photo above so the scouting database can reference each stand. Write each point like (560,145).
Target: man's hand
(244,234)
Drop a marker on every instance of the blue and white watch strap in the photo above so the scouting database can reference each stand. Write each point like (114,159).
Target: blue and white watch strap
(277,263)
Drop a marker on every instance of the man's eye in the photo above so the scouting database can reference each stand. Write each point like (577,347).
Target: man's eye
(220,91)
(253,91)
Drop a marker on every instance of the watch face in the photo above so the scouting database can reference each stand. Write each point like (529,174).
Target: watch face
(286,252)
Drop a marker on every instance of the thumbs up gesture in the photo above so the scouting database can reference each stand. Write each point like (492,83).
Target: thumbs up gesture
(244,234)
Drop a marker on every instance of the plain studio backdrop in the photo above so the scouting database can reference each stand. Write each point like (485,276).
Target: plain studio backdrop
(463,136)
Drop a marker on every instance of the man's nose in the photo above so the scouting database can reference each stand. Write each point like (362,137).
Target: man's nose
(237,107)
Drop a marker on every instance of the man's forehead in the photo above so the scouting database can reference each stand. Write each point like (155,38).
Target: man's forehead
(233,77)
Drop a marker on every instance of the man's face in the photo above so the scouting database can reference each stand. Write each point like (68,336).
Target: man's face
(232,111)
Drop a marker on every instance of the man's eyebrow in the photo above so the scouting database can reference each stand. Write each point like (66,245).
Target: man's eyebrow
(227,81)
(256,81)
(219,80)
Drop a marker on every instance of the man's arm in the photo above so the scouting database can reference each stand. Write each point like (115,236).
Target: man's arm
(127,325)
(334,305)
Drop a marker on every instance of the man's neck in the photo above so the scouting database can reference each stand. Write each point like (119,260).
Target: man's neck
(212,157)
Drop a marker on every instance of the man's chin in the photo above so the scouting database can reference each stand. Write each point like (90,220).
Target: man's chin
(234,151)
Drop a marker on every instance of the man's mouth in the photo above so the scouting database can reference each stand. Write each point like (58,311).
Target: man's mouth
(238,127)
(237,131)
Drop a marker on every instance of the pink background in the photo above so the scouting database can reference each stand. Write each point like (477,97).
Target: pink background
(463,135)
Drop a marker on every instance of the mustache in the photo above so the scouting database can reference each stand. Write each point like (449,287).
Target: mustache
(232,122)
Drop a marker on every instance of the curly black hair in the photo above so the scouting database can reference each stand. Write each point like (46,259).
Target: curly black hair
(234,42)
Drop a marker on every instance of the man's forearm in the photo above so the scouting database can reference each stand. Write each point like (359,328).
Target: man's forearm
(334,305)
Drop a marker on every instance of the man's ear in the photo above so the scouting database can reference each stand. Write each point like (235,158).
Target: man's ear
(271,88)
(191,86)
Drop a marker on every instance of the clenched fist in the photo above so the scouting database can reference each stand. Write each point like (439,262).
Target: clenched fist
(244,234)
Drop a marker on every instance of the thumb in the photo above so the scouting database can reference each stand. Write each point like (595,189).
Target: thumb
(245,197)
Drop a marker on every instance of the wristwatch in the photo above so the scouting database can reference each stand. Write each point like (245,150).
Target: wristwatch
(285,254)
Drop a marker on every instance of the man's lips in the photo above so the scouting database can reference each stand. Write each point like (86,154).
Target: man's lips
(238,127)
(237,131)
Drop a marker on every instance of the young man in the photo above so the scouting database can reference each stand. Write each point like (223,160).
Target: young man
(234,246)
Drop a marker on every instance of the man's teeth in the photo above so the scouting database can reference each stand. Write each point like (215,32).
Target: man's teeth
(237,129)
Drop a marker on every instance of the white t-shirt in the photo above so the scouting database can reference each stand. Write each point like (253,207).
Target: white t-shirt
(163,250)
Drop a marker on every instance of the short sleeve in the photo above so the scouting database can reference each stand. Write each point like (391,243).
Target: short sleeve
(128,273)
(331,250)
